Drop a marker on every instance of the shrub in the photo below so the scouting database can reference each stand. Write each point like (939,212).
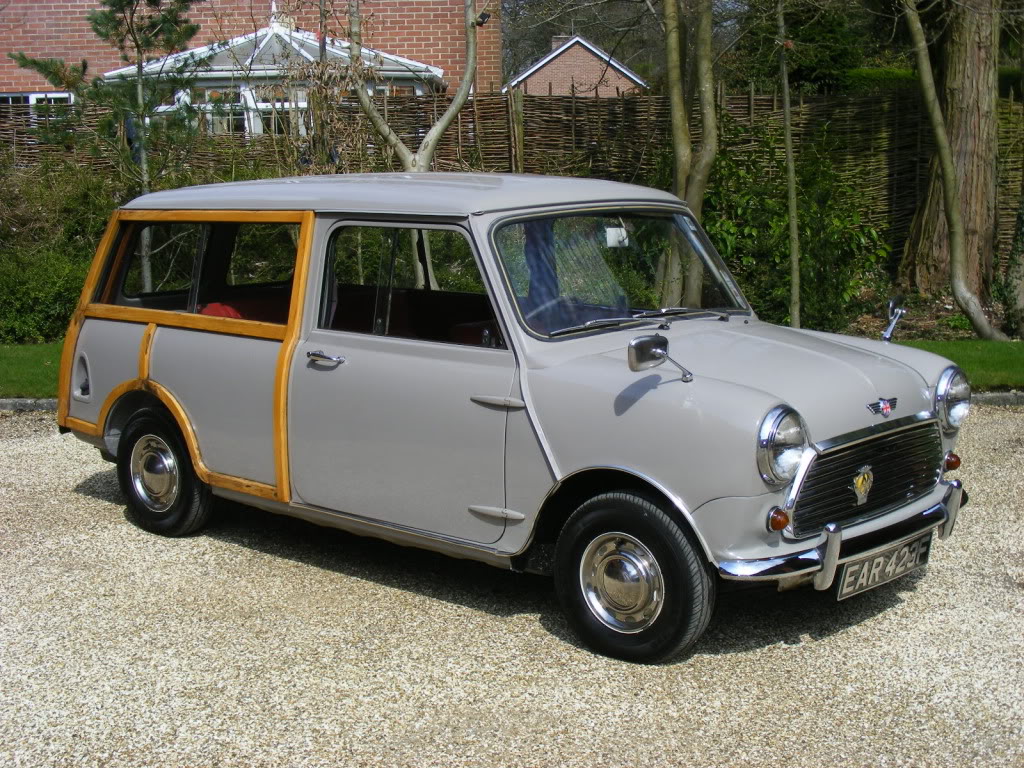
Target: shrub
(745,213)
(51,220)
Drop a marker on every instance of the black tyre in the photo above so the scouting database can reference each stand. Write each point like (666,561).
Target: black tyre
(156,476)
(630,581)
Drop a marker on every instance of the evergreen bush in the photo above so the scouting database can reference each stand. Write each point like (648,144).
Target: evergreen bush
(746,218)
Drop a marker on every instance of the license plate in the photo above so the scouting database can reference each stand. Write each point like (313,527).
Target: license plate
(872,571)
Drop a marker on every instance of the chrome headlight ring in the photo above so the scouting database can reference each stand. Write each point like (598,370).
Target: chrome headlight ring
(952,399)
(781,441)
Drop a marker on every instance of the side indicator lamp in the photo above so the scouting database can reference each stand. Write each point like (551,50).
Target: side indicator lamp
(951,462)
(778,519)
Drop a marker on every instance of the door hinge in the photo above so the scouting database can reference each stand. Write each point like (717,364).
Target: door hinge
(499,402)
(497,512)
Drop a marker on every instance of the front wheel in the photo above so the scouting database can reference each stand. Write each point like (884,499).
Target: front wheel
(156,476)
(630,581)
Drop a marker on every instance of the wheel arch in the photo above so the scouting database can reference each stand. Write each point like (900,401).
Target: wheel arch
(571,491)
(134,396)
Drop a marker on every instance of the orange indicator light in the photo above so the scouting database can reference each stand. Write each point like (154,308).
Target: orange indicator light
(777,519)
(952,462)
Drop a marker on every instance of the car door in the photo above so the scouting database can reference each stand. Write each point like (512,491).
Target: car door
(394,407)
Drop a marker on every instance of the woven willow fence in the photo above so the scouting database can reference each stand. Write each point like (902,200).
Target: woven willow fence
(881,144)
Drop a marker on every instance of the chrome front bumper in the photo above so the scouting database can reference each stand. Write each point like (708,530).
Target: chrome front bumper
(819,563)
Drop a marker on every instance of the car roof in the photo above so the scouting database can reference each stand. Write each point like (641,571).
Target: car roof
(443,194)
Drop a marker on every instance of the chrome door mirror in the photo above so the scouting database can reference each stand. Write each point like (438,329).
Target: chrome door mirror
(896,305)
(646,352)
(896,311)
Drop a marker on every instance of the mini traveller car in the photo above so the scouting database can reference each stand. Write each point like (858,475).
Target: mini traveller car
(544,374)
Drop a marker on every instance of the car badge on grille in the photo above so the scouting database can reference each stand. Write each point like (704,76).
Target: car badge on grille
(883,406)
(862,483)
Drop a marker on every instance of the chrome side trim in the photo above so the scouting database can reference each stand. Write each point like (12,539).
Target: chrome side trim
(824,558)
(808,457)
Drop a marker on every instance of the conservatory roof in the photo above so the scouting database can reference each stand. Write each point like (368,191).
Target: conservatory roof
(270,51)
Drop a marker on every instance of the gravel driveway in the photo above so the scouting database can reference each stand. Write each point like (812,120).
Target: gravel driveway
(269,642)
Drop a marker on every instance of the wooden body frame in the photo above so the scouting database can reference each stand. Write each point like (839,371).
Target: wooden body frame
(287,334)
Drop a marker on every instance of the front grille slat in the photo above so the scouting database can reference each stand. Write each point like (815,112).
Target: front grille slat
(905,464)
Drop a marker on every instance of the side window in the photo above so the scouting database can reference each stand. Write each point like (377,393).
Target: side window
(221,269)
(411,283)
(247,271)
(159,259)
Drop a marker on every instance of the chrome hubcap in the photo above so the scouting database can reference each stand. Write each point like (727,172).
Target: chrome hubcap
(154,473)
(622,582)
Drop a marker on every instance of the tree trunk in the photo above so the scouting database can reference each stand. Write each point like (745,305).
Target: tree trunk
(787,131)
(1014,324)
(969,50)
(957,240)
(700,171)
(670,267)
(145,246)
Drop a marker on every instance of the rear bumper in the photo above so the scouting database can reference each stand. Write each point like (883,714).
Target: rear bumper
(820,562)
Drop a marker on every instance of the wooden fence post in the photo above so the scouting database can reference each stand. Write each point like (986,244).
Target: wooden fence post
(516,126)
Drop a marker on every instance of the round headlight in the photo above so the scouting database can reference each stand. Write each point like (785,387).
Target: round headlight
(780,445)
(952,399)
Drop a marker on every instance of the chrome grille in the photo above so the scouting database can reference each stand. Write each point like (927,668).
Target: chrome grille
(906,464)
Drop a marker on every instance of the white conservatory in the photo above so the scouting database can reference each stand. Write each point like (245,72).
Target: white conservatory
(247,85)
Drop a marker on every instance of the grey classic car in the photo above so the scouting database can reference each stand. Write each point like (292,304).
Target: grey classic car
(544,374)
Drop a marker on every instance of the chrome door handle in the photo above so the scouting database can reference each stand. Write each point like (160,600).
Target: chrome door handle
(321,357)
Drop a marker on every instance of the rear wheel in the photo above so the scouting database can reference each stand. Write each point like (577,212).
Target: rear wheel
(630,581)
(156,476)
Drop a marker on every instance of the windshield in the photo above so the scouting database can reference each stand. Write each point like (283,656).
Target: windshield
(574,272)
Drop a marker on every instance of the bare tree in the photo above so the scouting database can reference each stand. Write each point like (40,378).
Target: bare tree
(422,157)
(957,241)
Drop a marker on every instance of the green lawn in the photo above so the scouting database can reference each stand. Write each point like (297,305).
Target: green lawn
(990,365)
(29,370)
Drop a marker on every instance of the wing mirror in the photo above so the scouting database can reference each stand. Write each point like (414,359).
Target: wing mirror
(896,311)
(646,352)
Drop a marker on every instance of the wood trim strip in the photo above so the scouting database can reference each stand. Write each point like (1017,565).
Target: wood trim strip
(228,325)
(285,356)
(241,484)
(85,427)
(75,325)
(146,350)
(269,217)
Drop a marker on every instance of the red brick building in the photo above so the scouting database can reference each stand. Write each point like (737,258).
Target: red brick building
(575,65)
(427,31)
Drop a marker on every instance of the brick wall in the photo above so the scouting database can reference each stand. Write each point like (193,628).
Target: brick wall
(429,31)
(577,67)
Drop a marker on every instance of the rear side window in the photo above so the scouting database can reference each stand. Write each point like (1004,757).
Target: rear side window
(247,271)
(160,262)
(239,270)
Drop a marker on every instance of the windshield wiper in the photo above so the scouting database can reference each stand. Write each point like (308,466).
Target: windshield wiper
(600,322)
(677,311)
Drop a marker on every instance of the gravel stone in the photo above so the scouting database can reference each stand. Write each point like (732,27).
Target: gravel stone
(266,641)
